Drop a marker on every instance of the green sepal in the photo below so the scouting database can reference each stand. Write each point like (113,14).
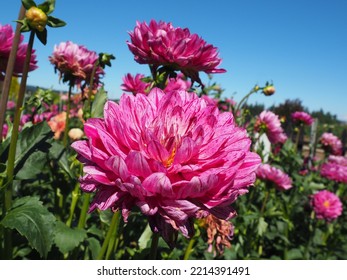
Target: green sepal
(55,22)
(42,36)
(105,59)
(47,7)
(28,4)
(25,26)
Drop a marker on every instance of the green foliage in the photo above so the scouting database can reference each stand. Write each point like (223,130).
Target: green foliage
(32,220)
(98,104)
(67,239)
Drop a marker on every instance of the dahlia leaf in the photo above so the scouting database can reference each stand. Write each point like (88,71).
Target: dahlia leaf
(145,237)
(58,153)
(262,226)
(28,4)
(30,140)
(67,238)
(55,22)
(99,103)
(94,247)
(32,220)
(42,36)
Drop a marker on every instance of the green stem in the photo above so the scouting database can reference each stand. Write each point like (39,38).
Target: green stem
(66,130)
(154,246)
(75,196)
(114,237)
(264,202)
(13,145)
(112,227)
(298,138)
(245,98)
(9,71)
(84,211)
(189,249)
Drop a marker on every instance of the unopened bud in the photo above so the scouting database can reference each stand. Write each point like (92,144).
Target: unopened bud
(37,19)
(76,134)
(269,90)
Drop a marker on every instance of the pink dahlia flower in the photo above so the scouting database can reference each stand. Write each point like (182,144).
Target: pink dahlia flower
(282,181)
(161,44)
(326,205)
(75,63)
(269,123)
(6,39)
(302,118)
(172,155)
(135,84)
(178,83)
(331,143)
(335,169)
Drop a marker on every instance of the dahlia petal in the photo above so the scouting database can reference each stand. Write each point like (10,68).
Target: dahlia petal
(118,166)
(137,164)
(158,183)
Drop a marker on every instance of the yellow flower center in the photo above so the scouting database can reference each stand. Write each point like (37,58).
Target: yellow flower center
(168,162)
(326,204)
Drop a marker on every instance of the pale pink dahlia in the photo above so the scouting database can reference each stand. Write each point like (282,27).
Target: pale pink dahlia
(335,169)
(6,39)
(135,84)
(302,118)
(75,63)
(326,205)
(331,143)
(269,123)
(281,180)
(170,154)
(161,44)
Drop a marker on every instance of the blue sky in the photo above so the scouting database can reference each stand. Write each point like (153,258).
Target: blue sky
(299,45)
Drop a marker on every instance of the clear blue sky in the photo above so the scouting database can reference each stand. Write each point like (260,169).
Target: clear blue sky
(299,45)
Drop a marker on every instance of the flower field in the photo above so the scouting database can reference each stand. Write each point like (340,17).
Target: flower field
(172,170)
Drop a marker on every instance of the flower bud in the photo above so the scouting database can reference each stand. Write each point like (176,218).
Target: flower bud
(76,133)
(269,90)
(37,19)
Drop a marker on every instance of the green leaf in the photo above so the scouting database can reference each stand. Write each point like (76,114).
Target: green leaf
(94,247)
(55,22)
(42,36)
(28,4)
(145,237)
(32,146)
(262,226)
(32,220)
(99,103)
(295,254)
(58,153)
(67,238)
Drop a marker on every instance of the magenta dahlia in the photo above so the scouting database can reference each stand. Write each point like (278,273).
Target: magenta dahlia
(331,143)
(75,63)
(335,169)
(269,123)
(170,154)
(302,118)
(326,205)
(161,44)
(268,173)
(135,84)
(6,39)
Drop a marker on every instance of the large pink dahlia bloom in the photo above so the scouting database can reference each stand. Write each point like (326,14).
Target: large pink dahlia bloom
(326,205)
(281,180)
(302,118)
(161,44)
(331,143)
(75,63)
(335,169)
(6,39)
(269,123)
(170,154)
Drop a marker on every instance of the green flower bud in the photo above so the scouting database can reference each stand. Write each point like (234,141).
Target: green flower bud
(36,18)
(269,90)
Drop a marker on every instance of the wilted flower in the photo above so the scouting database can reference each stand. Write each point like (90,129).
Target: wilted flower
(172,155)
(219,233)
(331,143)
(6,39)
(302,118)
(326,205)
(281,180)
(161,44)
(269,123)
(57,124)
(335,169)
(75,63)
(135,84)
(76,134)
